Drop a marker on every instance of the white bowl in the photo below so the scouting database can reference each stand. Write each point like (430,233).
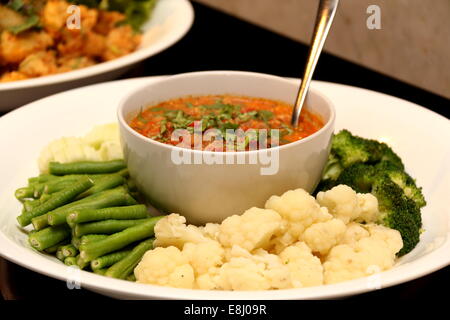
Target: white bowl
(170,21)
(204,192)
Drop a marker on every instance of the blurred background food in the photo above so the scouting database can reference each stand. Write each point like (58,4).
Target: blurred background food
(40,37)
(412,44)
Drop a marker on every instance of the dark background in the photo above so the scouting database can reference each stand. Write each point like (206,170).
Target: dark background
(220,42)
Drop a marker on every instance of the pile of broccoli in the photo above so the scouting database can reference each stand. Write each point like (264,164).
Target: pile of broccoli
(371,166)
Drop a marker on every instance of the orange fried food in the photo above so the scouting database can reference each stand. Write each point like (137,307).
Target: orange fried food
(12,76)
(81,44)
(69,64)
(54,16)
(120,41)
(57,13)
(38,64)
(16,47)
(108,20)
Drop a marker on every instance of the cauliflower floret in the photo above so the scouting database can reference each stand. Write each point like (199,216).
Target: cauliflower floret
(211,230)
(165,267)
(173,231)
(353,233)
(345,204)
(237,274)
(305,269)
(246,271)
(299,210)
(274,270)
(368,205)
(251,230)
(204,256)
(341,201)
(374,253)
(322,236)
(391,237)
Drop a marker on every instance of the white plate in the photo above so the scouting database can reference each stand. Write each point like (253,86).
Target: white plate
(170,21)
(418,135)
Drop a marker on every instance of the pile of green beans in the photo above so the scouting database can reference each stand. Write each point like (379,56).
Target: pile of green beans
(84,214)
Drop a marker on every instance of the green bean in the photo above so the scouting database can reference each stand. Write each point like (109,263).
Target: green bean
(70,261)
(125,267)
(100,271)
(44,198)
(48,237)
(131,278)
(124,173)
(24,193)
(91,238)
(76,242)
(104,199)
(53,187)
(131,185)
(58,199)
(109,259)
(81,263)
(54,249)
(102,184)
(41,178)
(118,213)
(86,167)
(40,222)
(59,255)
(119,240)
(69,250)
(129,200)
(28,205)
(104,227)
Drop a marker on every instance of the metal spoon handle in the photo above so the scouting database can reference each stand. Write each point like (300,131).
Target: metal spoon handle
(325,15)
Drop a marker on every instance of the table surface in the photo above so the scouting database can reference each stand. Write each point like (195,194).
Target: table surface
(218,41)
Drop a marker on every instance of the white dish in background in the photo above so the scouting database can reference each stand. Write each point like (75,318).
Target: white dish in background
(170,21)
(417,134)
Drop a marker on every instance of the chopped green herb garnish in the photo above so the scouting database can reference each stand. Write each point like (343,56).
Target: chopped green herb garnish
(264,115)
(141,118)
(32,21)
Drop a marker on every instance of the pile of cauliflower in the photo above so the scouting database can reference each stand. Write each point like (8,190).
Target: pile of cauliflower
(296,241)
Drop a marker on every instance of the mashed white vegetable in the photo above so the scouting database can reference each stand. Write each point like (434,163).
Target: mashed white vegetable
(100,144)
(296,241)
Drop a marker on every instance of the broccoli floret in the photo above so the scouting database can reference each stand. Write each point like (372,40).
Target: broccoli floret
(403,180)
(358,176)
(332,169)
(398,212)
(350,149)
(387,154)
